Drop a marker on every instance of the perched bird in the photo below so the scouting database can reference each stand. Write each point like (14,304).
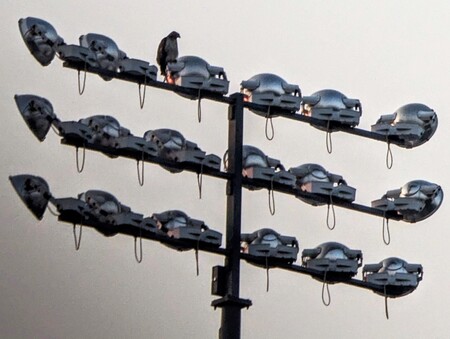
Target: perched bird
(167,51)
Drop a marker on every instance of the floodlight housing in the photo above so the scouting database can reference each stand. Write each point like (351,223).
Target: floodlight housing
(37,113)
(267,247)
(173,146)
(194,72)
(271,90)
(178,225)
(77,54)
(139,68)
(415,201)
(33,191)
(335,261)
(105,213)
(103,210)
(313,178)
(394,277)
(106,132)
(257,165)
(108,55)
(41,39)
(105,129)
(332,108)
(409,126)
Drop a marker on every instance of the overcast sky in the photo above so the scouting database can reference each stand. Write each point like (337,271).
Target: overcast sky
(385,53)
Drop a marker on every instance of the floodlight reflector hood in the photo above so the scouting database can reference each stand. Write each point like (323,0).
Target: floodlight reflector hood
(268,247)
(335,260)
(166,139)
(194,72)
(173,146)
(105,129)
(333,108)
(178,225)
(41,39)
(37,113)
(33,191)
(415,201)
(409,126)
(104,208)
(257,165)
(271,90)
(313,178)
(108,55)
(394,276)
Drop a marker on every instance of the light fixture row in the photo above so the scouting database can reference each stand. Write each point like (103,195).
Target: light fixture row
(330,262)
(409,126)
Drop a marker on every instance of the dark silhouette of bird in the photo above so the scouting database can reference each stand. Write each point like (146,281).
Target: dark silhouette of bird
(167,51)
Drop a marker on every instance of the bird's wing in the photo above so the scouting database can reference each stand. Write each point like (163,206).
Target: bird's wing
(161,54)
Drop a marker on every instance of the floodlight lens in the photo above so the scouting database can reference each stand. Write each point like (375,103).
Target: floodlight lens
(176,222)
(319,175)
(33,191)
(271,240)
(40,38)
(335,254)
(37,113)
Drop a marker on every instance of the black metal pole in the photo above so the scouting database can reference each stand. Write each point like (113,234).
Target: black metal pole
(231,304)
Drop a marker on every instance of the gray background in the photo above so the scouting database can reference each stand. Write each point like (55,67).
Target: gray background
(384,53)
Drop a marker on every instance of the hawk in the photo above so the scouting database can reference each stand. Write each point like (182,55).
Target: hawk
(167,51)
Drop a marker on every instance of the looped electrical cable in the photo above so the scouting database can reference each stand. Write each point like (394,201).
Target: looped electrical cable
(266,128)
(138,258)
(271,198)
(199,106)
(140,173)
(326,298)
(81,88)
(329,141)
(386,231)
(200,181)
(389,155)
(196,258)
(386,309)
(76,238)
(328,214)
(267,273)
(142,96)
(80,169)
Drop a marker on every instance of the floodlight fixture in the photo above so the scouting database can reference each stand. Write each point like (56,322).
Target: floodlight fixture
(270,90)
(414,201)
(108,55)
(41,39)
(257,165)
(139,68)
(99,209)
(267,247)
(409,126)
(334,261)
(194,72)
(173,146)
(332,108)
(37,112)
(99,132)
(313,178)
(33,191)
(105,129)
(77,54)
(178,225)
(393,276)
